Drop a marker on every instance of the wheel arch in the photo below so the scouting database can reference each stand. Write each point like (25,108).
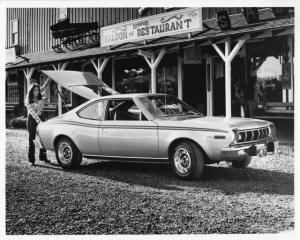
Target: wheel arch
(61,136)
(178,140)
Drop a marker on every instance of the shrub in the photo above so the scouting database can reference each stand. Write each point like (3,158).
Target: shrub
(19,122)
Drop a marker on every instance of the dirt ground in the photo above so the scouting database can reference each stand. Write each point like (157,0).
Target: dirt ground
(123,198)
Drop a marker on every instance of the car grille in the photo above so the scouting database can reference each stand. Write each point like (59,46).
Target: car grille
(251,135)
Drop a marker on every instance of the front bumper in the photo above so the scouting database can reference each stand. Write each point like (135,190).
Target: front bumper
(258,149)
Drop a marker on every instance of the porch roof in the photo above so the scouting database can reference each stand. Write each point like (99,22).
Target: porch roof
(211,31)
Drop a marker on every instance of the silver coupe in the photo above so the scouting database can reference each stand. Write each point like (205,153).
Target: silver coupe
(149,128)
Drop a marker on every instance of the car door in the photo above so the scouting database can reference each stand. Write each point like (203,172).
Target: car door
(126,132)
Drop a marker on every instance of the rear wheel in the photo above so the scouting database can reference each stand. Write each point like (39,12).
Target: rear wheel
(241,163)
(187,160)
(67,154)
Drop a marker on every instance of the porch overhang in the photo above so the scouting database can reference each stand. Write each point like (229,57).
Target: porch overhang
(267,27)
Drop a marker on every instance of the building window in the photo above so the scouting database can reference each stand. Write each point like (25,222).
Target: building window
(132,76)
(166,75)
(63,13)
(269,79)
(267,64)
(14,32)
(12,91)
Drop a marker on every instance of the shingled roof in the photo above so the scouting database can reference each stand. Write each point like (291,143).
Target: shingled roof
(211,31)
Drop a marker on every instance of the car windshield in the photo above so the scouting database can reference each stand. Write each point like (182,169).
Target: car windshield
(162,106)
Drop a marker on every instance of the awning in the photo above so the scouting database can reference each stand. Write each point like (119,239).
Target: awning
(211,32)
(79,82)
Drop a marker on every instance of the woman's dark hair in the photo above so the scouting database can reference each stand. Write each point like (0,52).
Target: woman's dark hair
(30,94)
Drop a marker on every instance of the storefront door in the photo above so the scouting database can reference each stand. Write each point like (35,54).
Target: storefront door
(194,86)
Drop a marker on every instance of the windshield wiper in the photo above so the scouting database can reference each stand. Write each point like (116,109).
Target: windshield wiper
(183,114)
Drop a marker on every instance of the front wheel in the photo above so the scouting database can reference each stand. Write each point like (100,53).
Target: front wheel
(187,160)
(67,154)
(241,163)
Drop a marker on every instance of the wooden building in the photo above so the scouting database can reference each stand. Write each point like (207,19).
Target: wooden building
(244,57)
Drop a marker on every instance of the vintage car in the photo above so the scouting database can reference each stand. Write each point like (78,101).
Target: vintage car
(147,127)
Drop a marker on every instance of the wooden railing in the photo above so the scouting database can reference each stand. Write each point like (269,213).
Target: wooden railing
(277,110)
(278,107)
(12,95)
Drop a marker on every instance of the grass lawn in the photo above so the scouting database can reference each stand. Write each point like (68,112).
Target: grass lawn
(111,198)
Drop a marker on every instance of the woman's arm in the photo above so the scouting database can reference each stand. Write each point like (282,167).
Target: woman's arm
(33,113)
(44,87)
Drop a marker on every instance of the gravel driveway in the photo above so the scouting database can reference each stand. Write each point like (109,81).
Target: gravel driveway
(123,198)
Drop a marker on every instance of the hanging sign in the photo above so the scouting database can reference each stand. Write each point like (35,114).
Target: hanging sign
(166,24)
(10,55)
(223,20)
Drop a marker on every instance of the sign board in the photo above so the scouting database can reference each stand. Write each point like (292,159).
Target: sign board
(10,55)
(286,75)
(166,24)
(192,56)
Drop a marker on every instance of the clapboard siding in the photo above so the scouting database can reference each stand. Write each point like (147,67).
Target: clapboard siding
(34,23)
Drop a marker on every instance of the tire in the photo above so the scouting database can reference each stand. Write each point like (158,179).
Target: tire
(67,154)
(187,161)
(241,163)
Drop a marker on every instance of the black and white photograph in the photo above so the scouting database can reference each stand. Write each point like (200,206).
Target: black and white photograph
(134,119)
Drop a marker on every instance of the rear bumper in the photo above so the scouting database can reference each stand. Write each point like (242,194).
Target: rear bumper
(241,152)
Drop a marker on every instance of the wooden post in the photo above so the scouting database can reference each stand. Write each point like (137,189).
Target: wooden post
(284,95)
(179,75)
(100,66)
(227,58)
(28,74)
(228,78)
(153,63)
(113,75)
(291,60)
(209,86)
(60,67)
(153,80)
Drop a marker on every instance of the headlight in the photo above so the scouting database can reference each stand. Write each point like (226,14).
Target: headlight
(234,136)
(272,130)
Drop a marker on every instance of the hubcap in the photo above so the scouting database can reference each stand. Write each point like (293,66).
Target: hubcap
(65,153)
(182,160)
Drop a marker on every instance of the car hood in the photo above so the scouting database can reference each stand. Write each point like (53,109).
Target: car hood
(220,123)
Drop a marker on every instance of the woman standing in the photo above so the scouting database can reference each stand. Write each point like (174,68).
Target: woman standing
(34,104)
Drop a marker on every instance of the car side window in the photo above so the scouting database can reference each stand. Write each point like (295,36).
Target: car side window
(124,110)
(94,111)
